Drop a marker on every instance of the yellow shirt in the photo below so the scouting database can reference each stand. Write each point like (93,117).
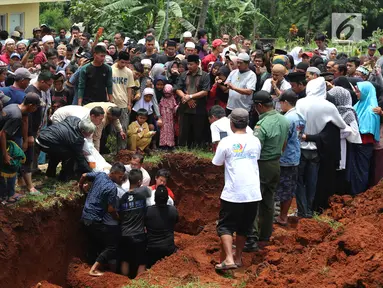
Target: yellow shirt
(122,80)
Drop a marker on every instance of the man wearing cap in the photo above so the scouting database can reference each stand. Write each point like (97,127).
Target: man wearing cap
(36,34)
(214,55)
(298,83)
(13,127)
(370,55)
(272,130)
(21,47)
(169,54)
(192,87)
(241,194)
(312,73)
(15,58)
(289,161)
(48,43)
(15,35)
(241,84)
(187,37)
(16,91)
(9,49)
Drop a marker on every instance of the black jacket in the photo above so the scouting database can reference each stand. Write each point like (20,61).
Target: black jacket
(64,138)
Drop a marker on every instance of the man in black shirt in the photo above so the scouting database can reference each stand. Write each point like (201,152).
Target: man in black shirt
(95,81)
(132,213)
(193,87)
(150,43)
(170,53)
(160,220)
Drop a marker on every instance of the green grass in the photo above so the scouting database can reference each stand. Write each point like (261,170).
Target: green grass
(154,159)
(328,220)
(199,153)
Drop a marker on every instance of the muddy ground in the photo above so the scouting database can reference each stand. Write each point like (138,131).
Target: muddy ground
(343,248)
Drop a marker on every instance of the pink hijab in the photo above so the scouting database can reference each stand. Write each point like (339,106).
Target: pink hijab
(168,102)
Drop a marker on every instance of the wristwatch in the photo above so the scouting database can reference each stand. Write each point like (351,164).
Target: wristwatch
(191,96)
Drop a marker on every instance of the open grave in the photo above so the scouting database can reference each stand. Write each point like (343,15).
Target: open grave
(341,248)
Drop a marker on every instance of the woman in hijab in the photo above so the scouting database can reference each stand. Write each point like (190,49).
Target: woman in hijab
(204,46)
(157,70)
(214,72)
(343,102)
(331,56)
(320,149)
(297,55)
(159,84)
(343,82)
(369,128)
(172,73)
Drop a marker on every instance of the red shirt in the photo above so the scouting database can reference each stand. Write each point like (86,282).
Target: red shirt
(5,58)
(209,58)
(40,58)
(170,192)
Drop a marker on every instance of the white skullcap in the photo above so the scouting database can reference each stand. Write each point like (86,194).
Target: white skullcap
(146,62)
(190,45)
(9,40)
(47,38)
(187,34)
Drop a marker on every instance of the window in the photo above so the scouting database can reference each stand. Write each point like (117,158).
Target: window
(3,22)
(16,19)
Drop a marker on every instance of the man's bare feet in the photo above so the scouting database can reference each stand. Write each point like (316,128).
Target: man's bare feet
(95,273)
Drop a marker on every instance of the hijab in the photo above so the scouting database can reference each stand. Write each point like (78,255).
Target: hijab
(159,93)
(168,102)
(157,70)
(329,54)
(369,122)
(142,104)
(317,111)
(203,52)
(295,53)
(212,77)
(343,102)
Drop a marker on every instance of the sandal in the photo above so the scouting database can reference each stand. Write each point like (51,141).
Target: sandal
(223,266)
(279,222)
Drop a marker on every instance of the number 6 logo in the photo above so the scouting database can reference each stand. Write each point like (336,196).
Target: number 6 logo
(344,25)
(347,26)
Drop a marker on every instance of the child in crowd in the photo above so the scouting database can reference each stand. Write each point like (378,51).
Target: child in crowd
(132,213)
(160,220)
(146,102)
(162,178)
(59,92)
(139,133)
(168,107)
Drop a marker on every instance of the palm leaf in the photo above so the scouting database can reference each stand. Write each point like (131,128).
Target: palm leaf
(187,25)
(160,23)
(175,9)
(121,4)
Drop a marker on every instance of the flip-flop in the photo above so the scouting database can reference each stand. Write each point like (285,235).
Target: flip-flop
(223,266)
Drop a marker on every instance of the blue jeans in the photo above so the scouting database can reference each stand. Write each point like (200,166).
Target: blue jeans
(307,182)
(7,187)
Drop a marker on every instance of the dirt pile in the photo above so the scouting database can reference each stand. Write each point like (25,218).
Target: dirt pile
(38,245)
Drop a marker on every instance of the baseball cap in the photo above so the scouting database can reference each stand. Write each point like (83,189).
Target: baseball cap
(239,116)
(32,98)
(15,34)
(262,97)
(216,43)
(108,60)
(15,55)
(244,57)
(187,34)
(308,54)
(314,70)
(289,96)
(233,47)
(372,46)
(190,45)
(36,29)
(22,73)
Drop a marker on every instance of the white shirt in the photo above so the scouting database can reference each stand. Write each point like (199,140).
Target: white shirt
(268,87)
(145,175)
(246,80)
(240,154)
(150,201)
(70,110)
(221,128)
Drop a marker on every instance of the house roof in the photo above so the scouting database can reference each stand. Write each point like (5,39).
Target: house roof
(10,2)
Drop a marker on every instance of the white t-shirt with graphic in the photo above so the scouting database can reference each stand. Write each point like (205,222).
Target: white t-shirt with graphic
(240,154)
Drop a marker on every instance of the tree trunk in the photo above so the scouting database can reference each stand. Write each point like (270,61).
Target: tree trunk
(202,15)
(273,8)
(307,37)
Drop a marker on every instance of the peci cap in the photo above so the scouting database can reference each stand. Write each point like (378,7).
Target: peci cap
(187,34)
(314,70)
(372,46)
(193,58)
(262,97)
(15,55)
(22,73)
(32,98)
(172,43)
(289,96)
(302,66)
(244,57)
(239,116)
(216,43)
(296,77)
(280,52)
(190,45)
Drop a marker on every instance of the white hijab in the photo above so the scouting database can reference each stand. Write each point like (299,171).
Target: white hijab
(295,53)
(317,111)
(142,104)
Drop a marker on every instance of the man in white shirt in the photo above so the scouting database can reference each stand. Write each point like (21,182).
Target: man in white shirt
(96,115)
(220,125)
(136,163)
(240,196)
(241,84)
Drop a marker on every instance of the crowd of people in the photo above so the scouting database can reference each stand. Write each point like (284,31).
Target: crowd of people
(285,124)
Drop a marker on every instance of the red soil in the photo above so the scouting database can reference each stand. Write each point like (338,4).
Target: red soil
(308,254)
